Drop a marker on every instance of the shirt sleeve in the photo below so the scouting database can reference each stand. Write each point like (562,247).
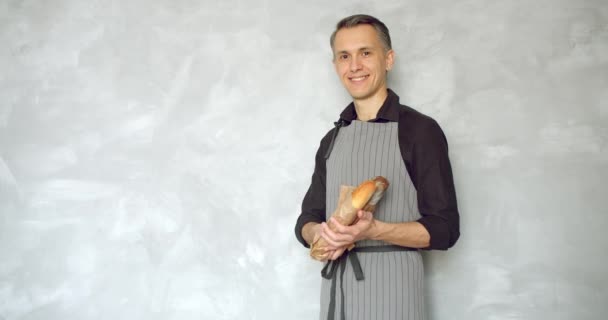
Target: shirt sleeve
(432,175)
(313,205)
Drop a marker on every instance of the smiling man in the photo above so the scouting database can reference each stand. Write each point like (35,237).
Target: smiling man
(382,277)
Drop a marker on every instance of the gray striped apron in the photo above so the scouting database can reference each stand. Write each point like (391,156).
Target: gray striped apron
(391,286)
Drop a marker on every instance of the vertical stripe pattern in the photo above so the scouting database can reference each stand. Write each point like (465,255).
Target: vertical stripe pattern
(393,284)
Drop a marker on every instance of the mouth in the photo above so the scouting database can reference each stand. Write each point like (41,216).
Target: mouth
(358,79)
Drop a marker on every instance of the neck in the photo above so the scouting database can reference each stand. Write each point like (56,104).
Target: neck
(367,108)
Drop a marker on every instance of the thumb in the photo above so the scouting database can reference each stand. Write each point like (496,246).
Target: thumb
(360,214)
(365,215)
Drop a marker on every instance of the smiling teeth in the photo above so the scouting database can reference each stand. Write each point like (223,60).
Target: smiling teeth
(358,79)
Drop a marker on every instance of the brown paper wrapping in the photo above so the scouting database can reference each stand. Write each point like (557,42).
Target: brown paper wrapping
(346,215)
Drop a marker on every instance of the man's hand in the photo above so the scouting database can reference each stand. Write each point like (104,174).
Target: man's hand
(344,236)
(312,232)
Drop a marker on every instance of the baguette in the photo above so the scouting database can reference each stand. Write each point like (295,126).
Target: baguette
(365,197)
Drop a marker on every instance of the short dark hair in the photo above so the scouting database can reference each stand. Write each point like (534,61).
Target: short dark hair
(360,19)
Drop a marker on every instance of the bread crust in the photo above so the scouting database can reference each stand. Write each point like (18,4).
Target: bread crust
(363,193)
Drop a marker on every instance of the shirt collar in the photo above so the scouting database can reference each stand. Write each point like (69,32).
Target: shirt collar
(389,111)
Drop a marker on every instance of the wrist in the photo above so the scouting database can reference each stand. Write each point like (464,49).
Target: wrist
(309,231)
(373,231)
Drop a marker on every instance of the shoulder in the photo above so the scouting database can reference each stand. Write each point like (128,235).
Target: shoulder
(413,118)
(416,126)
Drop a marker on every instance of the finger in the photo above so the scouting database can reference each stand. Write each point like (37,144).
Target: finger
(333,244)
(325,230)
(334,256)
(336,235)
(339,228)
(335,240)
(336,222)
(337,253)
(329,237)
(331,248)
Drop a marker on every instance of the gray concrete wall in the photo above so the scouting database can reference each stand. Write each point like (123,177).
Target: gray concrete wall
(153,154)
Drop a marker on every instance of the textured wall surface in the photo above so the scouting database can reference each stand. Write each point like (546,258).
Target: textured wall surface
(153,154)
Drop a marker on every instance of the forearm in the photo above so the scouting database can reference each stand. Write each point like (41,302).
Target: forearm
(309,231)
(406,234)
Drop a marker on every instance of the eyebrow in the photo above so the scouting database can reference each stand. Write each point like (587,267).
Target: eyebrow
(359,49)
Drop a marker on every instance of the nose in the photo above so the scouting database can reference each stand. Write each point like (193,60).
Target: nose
(355,64)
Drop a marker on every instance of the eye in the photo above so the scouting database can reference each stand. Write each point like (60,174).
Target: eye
(366,53)
(343,57)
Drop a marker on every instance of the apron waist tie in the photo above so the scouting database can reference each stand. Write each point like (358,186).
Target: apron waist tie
(329,272)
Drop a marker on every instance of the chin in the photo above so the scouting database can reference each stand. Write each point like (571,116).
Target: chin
(358,94)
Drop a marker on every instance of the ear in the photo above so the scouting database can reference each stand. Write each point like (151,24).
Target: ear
(390,59)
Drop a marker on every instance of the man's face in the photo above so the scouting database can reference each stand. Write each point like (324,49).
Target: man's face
(361,61)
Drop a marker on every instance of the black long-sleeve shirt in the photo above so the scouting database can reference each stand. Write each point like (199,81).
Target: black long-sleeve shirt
(424,150)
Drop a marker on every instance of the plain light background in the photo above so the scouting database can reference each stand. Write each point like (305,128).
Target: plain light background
(154,154)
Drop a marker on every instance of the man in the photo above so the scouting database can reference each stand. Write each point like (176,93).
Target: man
(382,277)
